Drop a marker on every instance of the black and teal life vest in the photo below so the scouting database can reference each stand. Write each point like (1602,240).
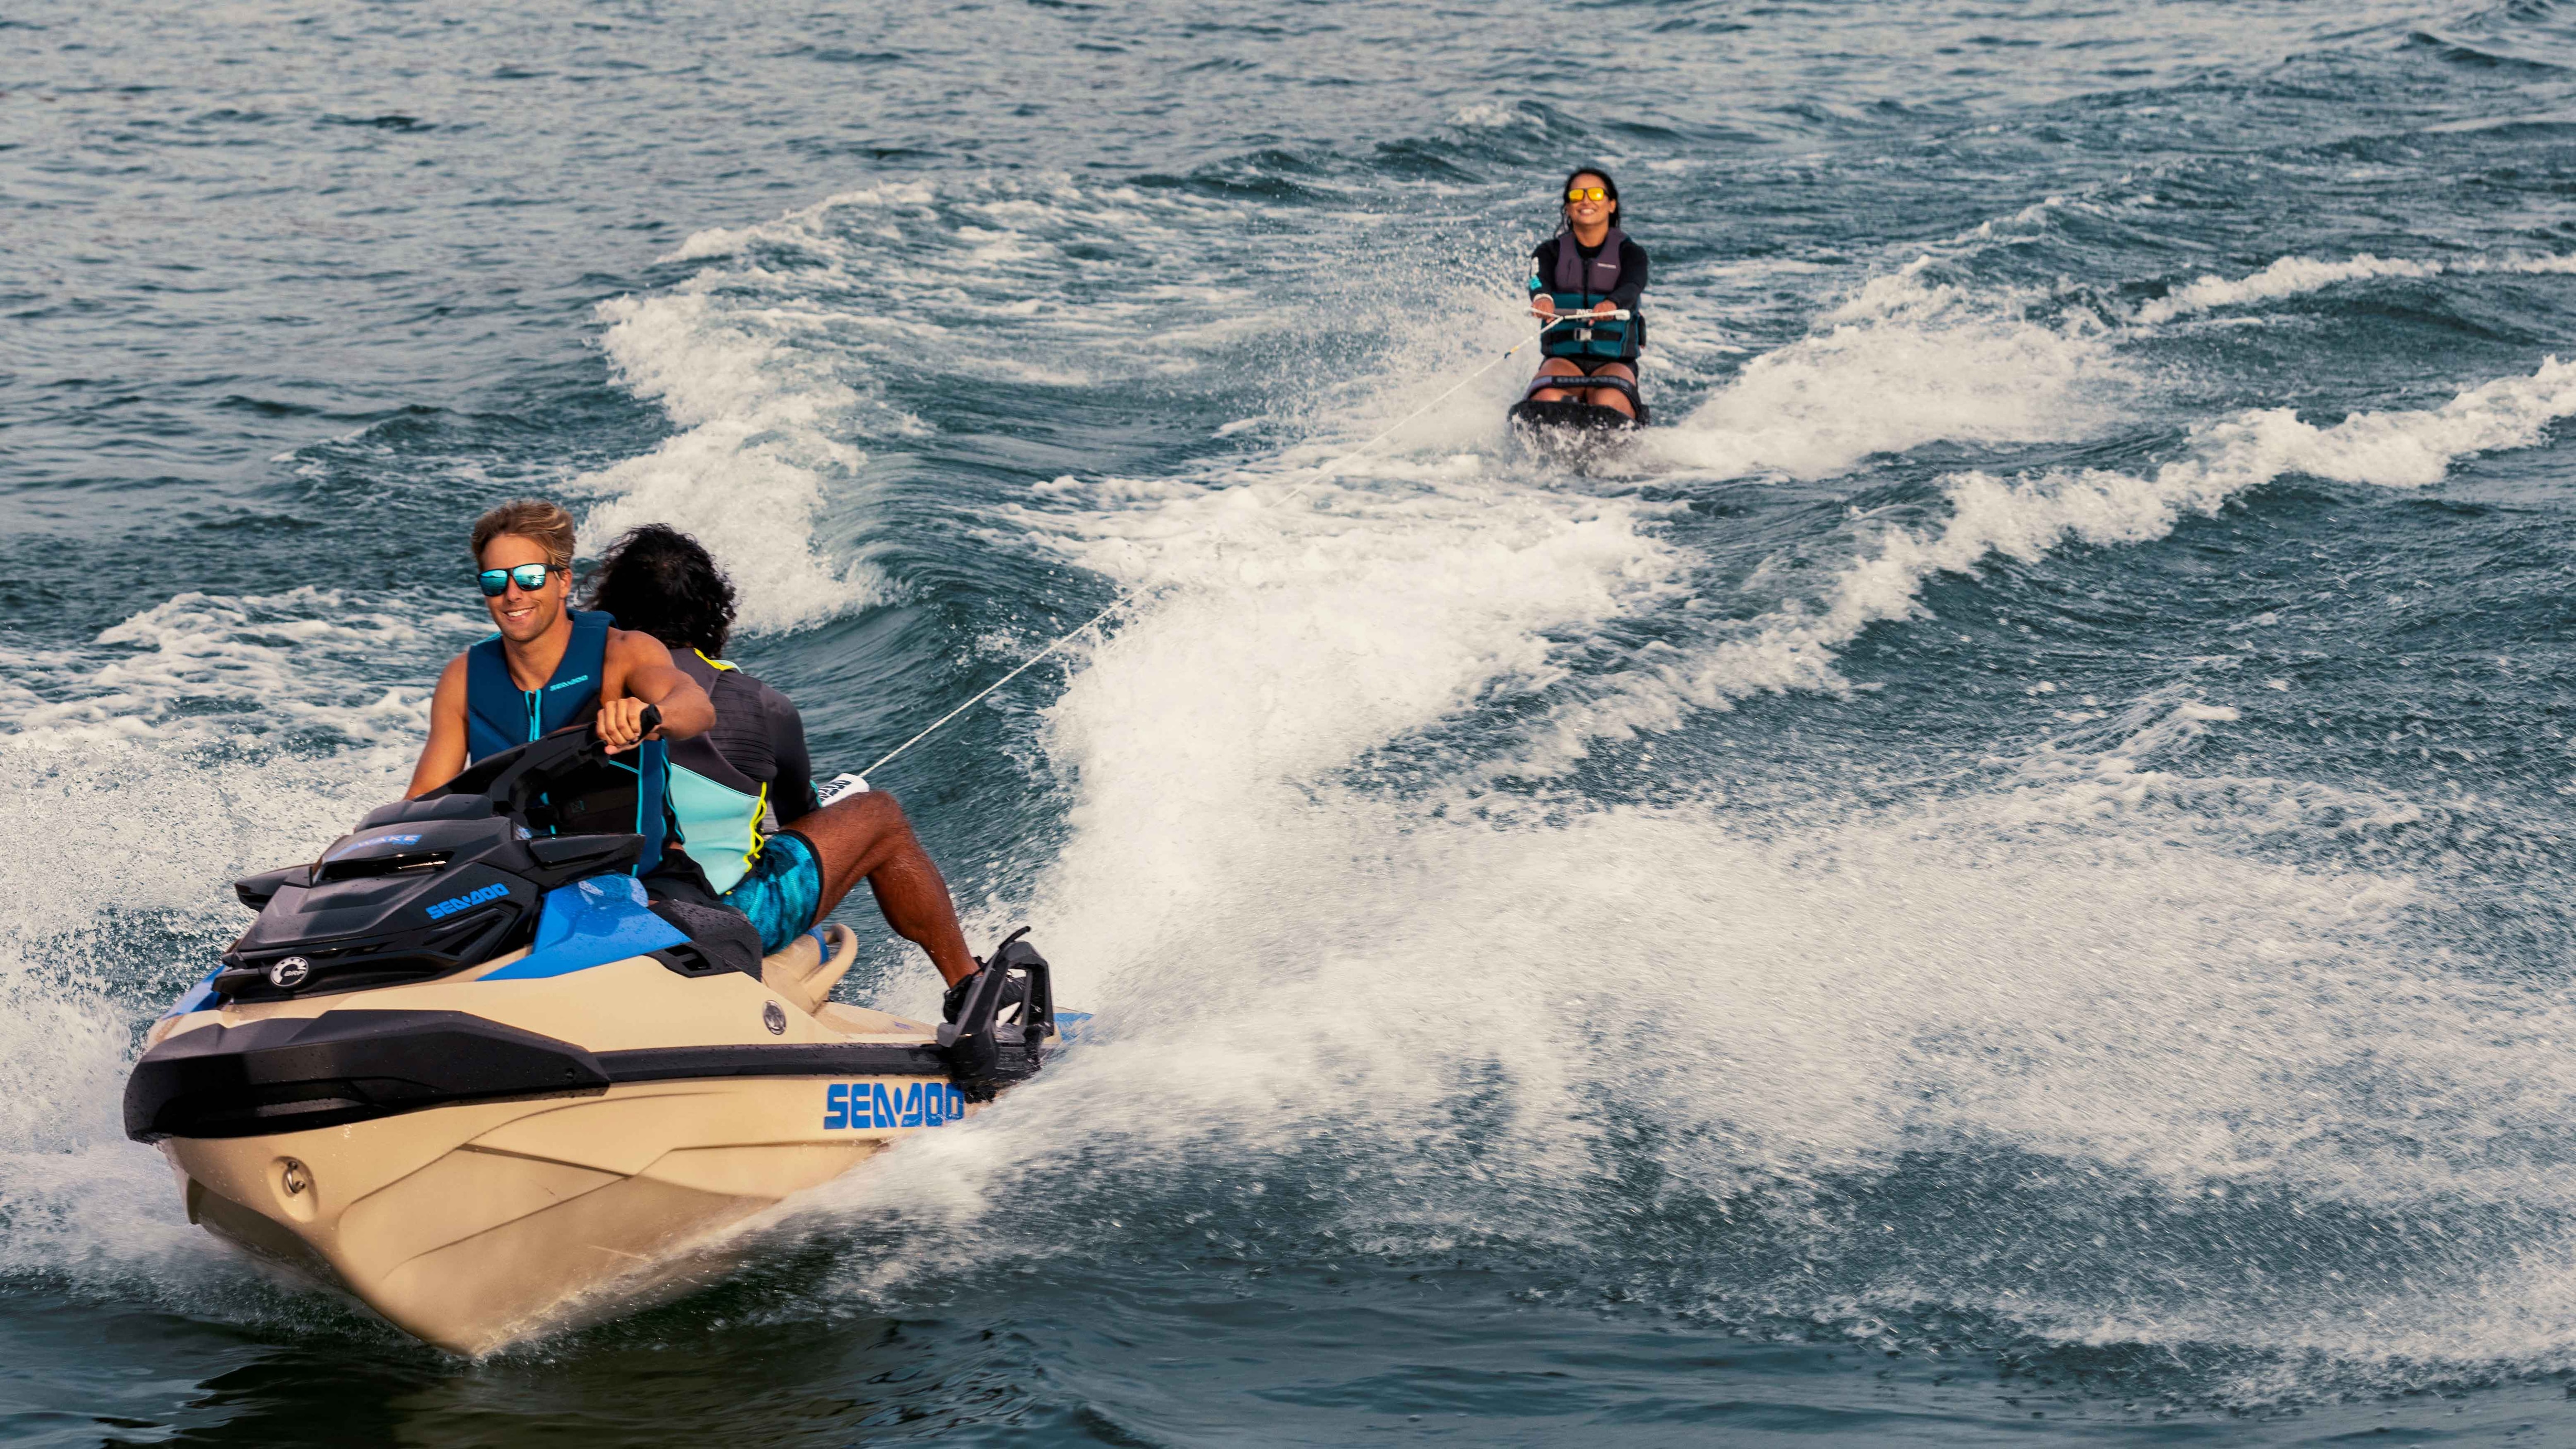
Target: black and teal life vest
(499,715)
(719,808)
(1579,285)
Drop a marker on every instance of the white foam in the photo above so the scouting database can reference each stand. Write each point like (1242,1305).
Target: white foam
(1495,116)
(2297,276)
(1445,1019)
(1903,362)
(759,449)
(1434,1030)
(1292,639)
(203,738)
(210,667)
(114,856)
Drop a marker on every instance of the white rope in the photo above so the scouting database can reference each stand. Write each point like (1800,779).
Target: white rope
(1023,668)
(1123,600)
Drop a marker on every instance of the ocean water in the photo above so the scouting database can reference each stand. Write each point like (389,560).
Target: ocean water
(2004,876)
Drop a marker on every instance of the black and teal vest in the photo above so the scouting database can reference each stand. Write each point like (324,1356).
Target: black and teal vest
(719,808)
(499,715)
(1579,285)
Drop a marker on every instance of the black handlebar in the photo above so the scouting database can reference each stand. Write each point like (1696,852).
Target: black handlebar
(651,720)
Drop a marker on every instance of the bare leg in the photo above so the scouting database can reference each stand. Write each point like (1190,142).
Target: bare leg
(1611,397)
(1555,367)
(866,837)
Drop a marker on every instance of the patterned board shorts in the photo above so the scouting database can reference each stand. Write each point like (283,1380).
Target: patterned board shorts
(780,894)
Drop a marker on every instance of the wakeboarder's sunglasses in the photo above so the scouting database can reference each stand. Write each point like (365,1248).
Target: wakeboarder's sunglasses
(530,577)
(1587,193)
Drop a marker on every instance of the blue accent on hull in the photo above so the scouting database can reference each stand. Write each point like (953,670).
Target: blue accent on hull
(197,997)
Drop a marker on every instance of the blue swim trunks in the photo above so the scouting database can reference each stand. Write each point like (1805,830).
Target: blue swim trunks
(780,893)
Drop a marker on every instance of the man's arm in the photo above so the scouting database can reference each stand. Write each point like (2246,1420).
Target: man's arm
(442,755)
(640,672)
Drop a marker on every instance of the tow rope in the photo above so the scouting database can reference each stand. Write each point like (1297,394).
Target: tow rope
(850,783)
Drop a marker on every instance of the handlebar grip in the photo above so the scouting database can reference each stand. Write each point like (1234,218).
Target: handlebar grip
(650,720)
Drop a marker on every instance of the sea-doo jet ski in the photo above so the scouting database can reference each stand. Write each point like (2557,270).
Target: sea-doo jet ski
(459,1067)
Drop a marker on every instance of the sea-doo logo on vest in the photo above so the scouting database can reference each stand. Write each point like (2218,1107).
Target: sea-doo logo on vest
(453,904)
(569,683)
(289,972)
(874,1104)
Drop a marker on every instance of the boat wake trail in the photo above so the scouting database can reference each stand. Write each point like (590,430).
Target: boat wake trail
(1794,647)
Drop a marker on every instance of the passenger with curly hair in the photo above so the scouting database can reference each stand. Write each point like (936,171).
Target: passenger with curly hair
(659,581)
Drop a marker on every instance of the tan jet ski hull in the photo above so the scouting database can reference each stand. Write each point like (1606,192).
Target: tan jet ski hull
(474,1224)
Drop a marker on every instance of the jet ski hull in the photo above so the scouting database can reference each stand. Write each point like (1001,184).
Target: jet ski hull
(472,1226)
(475,1206)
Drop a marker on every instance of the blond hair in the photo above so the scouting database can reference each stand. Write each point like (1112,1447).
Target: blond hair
(534,519)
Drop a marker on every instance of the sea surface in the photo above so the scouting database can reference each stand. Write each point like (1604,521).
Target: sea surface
(2004,877)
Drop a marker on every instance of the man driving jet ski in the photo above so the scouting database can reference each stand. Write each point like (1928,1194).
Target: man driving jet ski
(550,666)
(663,583)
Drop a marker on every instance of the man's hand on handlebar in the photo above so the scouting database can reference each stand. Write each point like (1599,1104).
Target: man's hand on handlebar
(624,723)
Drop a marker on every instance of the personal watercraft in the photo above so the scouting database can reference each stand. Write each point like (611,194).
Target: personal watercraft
(459,1066)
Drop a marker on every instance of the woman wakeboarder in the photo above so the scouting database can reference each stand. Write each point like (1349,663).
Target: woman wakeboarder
(1586,281)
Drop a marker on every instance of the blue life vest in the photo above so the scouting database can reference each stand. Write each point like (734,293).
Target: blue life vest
(1579,286)
(499,715)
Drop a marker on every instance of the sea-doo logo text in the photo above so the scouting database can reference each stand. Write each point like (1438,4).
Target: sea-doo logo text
(289,972)
(569,683)
(874,1104)
(453,904)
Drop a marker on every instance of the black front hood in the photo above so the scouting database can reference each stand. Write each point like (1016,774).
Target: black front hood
(287,1074)
(423,889)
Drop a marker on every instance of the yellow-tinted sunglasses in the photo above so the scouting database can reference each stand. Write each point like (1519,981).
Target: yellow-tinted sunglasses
(1586,193)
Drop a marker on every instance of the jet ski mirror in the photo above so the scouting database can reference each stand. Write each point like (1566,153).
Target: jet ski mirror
(255,891)
(573,856)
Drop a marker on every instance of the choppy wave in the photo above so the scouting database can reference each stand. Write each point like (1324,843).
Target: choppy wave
(2298,276)
(210,667)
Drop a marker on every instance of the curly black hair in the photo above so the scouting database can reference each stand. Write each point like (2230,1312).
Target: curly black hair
(663,582)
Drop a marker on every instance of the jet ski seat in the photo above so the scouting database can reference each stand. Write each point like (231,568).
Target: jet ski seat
(807,968)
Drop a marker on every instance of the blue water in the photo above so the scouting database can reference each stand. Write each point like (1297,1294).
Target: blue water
(2002,875)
